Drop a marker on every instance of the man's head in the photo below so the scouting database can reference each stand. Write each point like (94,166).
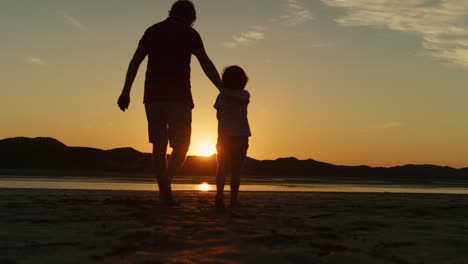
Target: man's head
(185,10)
(234,78)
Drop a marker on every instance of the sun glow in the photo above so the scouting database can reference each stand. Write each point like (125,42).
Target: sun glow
(204,187)
(205,150)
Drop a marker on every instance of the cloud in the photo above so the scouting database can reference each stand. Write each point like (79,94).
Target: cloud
(35,61)
(318,45)
(296,13)
(247,38)
(72,20)
(390,125)
(443,25)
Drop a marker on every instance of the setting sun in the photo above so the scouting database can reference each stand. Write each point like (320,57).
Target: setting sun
(205,150)
(204,187)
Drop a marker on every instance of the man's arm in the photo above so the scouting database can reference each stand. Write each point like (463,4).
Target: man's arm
(208,67)
(138,57)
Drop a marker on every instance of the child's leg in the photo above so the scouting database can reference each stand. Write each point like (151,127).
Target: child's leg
(235,183)
(237,162)
(222,169)
(220,182)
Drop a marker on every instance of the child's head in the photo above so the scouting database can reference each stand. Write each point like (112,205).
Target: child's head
(234,78)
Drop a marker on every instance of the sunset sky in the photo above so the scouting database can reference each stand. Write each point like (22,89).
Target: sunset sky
(349,82)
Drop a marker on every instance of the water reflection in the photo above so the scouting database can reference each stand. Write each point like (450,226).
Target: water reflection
(204,187)
(95,185)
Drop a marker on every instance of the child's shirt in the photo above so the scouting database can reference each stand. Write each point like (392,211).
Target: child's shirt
(231,106)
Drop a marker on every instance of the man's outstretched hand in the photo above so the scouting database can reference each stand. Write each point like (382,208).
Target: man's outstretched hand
(124,101)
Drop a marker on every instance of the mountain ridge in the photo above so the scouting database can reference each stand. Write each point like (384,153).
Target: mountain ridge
(51,154)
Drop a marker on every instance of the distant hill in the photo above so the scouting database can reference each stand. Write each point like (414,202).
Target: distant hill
(50,154)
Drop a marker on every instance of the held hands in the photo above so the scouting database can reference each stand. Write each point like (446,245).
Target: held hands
(124,101)
(219,85)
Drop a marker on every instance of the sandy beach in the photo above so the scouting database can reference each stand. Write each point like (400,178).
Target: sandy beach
(81,226)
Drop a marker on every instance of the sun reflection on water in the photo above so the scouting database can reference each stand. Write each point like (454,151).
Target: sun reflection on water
(204,187)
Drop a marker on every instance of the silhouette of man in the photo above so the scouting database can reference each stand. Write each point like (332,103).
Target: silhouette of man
(169,46)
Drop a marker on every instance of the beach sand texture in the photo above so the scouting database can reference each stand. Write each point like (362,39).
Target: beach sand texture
(76,226)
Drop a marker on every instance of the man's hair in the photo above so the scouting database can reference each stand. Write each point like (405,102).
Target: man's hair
(234,78)
(184,9)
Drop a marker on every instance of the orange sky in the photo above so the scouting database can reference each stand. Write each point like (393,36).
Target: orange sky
(330,80)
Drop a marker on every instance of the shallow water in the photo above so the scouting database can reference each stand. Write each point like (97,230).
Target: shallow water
(88,184)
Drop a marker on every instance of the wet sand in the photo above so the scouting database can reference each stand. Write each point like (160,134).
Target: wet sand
(82,226)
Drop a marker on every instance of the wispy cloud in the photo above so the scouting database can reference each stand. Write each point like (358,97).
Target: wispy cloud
(442,24)
(72,20)
(247,38)
(35,61)
(388,125)
(296,13)
(318,45)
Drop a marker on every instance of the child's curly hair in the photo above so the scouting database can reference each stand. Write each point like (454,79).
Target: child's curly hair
(234,78)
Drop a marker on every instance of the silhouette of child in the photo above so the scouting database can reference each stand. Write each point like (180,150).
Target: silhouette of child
(233,131)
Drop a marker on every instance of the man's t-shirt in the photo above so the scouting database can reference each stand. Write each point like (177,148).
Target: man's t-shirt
(169,45)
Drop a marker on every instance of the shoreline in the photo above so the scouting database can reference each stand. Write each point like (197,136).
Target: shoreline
(371,182)
(89,226)
(246,186)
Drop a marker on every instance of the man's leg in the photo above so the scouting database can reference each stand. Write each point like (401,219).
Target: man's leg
(157,130)
(176,160)
(179,132)
(160,167)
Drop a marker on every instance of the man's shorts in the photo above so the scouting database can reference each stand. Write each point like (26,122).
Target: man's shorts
(169,121)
